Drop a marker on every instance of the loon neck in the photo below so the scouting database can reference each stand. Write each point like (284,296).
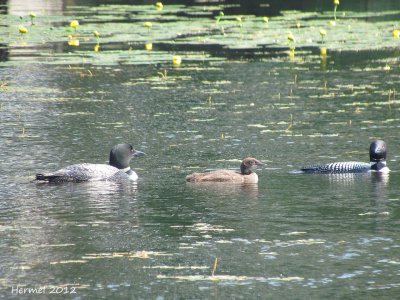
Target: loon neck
(245,170)
(127,170)
(131,174)
(378,165)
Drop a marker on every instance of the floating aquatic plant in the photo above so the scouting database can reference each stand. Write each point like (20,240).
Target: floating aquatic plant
(239,21)
(74,24)
(214,267)
(3,86)
(395,33)
(176,60)
(159,5)
(322,33)
(148,25)
(218,18)
(22,29)
(291,38)
(23,132)
(322,50)
(96,47)
(292,47)
(148,46)
(335,5)
(181,29)
(163,75)
(72,41)
(32,15)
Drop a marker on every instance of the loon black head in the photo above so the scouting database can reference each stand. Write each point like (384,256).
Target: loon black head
(121,155)
(377,151)
(248,165)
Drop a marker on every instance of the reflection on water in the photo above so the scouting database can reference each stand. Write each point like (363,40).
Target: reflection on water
(44,7)
(214,189)
(377,179)
(100,189)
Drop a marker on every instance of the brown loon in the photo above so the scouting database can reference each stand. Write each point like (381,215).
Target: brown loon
(246,174)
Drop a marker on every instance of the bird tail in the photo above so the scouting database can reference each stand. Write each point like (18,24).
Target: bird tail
(41,177)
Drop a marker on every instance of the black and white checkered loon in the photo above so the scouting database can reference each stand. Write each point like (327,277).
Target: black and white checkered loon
(118,169)
(377,155)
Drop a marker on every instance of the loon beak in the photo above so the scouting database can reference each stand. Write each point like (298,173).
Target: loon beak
(259,163)
(138,153)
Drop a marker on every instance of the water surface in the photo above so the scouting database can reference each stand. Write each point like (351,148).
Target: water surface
(292,235)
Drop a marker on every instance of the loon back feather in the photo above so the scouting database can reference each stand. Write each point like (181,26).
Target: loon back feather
(338,167)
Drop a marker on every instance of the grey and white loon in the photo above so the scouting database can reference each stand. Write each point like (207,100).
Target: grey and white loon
(377,155)
(118,168)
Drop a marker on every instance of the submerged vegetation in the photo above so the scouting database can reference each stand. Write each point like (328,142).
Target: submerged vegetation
(192,32)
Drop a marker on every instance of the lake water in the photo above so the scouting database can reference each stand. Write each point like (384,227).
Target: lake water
(292,236)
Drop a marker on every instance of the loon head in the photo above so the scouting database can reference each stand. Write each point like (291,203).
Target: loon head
(377,151)
(121,155)
(249,164)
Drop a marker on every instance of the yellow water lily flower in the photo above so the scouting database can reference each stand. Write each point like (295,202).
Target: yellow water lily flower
(96,33)
(336,2)
(148,24)
(290,37)
(266,19)
(159,5)
(332,23)
(33,16)
(322,32)
(148,46)
(176,60)
(396,33)
(74,24)
(22,29)
(73,41)
(323,51)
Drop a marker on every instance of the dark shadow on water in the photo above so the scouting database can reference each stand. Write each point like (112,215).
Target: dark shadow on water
(4,52)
